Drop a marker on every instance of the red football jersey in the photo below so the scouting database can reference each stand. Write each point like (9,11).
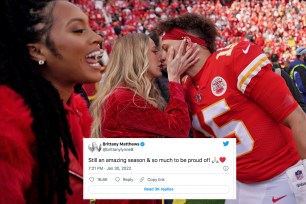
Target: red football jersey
(236,94)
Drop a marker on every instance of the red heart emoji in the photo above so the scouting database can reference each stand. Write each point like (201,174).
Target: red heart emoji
(222,159)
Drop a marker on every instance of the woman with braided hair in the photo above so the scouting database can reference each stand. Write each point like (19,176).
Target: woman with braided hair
(46,48)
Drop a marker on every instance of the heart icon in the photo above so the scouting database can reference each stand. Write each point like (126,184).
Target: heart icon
(91,179)
(222,159)
(117,179)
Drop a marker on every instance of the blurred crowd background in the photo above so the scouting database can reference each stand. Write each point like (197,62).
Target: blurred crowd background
(278,26)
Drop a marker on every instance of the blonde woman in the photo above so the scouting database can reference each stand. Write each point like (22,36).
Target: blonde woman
(129,104)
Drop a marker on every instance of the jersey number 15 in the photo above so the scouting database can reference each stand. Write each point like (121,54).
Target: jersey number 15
(245,141)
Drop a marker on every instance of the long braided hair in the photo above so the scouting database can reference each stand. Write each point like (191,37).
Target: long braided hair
(30,21)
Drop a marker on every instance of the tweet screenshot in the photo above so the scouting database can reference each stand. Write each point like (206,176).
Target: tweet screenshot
(159,168)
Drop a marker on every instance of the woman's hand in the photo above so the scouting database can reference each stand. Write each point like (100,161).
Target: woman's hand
(184,59)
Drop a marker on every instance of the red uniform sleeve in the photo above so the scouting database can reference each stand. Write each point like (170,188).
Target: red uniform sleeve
(247,61)
(134,113)
(256,80)
(272,94)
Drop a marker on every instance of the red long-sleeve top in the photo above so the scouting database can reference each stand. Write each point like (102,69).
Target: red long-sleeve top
(126,114)
(18,156)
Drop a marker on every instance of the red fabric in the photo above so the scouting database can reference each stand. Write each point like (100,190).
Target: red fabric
(129,115)
(90,89)
(179,34)
(251,112)
(18,164)
(80,121)
(16,139)
(260,41)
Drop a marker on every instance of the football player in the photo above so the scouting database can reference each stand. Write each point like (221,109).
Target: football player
(233,92)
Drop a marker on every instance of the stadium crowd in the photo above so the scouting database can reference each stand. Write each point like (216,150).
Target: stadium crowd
(278,26)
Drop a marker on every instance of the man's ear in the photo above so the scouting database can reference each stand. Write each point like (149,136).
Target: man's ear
(35,51)
(188,43)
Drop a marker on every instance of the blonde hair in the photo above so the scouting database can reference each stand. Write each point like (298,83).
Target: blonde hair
(127,66)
